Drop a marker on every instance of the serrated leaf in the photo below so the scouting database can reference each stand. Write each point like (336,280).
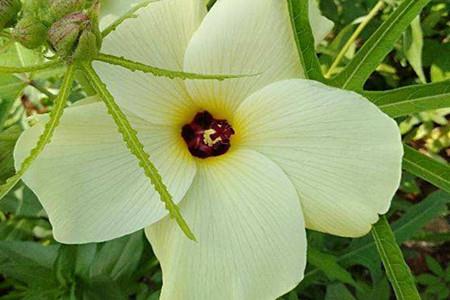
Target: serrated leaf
(303,34)
(375,49)
(412,99)
(45,138)
(396,268)
(427,168)
(137,66)
(136,148)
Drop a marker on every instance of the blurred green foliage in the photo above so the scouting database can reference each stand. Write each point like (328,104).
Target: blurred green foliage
(34,266)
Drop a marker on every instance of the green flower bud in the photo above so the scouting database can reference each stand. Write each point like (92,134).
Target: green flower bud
(38,9)
(75,37)
(8,11)
(30,32)
(61,8)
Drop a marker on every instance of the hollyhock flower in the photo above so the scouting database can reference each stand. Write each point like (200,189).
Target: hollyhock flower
(251,161)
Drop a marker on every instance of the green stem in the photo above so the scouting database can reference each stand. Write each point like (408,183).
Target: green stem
(26,69)
(136,148)
(45,138)
(137,66)
(42,89)
(377,8)
(397,270)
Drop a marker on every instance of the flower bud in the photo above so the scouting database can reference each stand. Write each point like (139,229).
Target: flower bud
(30,32)
(37,9)
(76,36)
(8,11)
(61,8)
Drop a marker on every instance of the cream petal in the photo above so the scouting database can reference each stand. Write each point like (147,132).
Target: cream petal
(241,37)
(251,237)
(91,186)
(320,25)
(158,36)
(111,10)
(341,152)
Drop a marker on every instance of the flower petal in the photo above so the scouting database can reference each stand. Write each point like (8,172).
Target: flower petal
(320,25)
(241,37)
(251,237)
(158,36)
(91,186)
(341,152)
(111,10)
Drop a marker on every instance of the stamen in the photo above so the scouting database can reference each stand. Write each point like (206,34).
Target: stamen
(206,136)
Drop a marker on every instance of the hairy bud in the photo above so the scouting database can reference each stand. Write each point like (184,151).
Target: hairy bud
(8,11)
(30,32)
(76,37)
(61,8)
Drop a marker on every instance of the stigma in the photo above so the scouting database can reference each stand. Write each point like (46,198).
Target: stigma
(206,136)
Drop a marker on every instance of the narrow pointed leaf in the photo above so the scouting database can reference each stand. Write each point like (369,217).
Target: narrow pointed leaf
(137,66)
(45,138)
(427,168)
(299,13)
(412,99)
(26,69)
(136,148)
(397,270)
(378,46)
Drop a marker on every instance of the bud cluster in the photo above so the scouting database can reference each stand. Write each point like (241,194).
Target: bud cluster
(68,27)
(8,12)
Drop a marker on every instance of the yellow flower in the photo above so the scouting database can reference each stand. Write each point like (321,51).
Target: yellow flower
(252,161)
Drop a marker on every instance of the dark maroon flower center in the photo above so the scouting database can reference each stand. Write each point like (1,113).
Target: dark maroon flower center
(206,136)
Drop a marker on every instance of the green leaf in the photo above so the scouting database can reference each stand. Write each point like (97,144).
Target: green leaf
(413,47)
(8,140)
(434,266)
(427,279)
(427,168)
(363,251)
(27,262)
(375,49)
(338,291)
(100,288)
(396,268)
(412,99)
(437,59)
(299,13)
(65,263)
(136,148)
(137,66)
(32,68)
(15,55)
(328,264)
(45,138)
(10,89)
(119,258)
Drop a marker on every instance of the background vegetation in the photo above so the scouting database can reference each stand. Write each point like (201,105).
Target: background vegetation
(34,266)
